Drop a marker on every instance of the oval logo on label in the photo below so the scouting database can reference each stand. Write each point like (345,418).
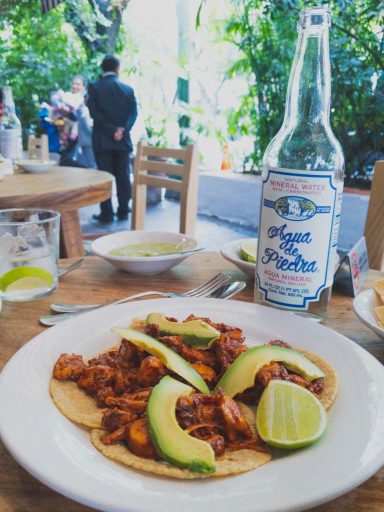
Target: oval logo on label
(295,208)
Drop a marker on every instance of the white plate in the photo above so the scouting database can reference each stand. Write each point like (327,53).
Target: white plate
(231,252)
(364,306)
(143,265)
(59,453)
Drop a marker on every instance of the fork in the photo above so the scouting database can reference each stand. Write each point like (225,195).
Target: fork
(70,310)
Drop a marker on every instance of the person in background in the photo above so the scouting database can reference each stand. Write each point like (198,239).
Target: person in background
(83,151)
(48,126)
(112,106)
(76,135)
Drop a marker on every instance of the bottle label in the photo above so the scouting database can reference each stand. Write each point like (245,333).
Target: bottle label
(300,215)
(9,143)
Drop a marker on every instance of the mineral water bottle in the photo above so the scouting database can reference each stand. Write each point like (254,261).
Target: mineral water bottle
(303,169)
(11,145)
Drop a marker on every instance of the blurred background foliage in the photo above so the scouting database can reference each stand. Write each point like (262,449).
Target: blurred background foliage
(40,53)
(265,33)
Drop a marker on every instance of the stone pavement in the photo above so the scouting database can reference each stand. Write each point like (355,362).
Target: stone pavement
(211,232)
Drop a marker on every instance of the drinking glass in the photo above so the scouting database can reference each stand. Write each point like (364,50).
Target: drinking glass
(29,250)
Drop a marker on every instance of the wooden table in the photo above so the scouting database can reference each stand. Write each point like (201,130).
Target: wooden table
(97,281)
(65,189)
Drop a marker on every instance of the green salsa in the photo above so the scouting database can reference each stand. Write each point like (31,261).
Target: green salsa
(145,250)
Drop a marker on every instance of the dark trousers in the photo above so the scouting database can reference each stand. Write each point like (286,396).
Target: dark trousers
(117,163)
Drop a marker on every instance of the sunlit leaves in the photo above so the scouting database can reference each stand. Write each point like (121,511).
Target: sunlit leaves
(265,32)
(37,56)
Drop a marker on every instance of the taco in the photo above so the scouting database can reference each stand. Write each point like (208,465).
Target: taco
(109,394)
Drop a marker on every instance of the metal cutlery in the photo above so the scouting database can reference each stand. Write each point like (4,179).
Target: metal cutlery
(71,267)
(188,251)
(200,291)
(229,290)
(70,310)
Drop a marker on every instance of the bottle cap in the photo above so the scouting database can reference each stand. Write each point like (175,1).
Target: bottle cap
(314,18)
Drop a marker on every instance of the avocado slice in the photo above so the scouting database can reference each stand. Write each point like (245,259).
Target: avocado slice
(171,359)
(196,333)
(241,374)
(173,443)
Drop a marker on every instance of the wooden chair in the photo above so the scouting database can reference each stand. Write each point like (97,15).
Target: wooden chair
(164,164)
(374,224)
(38,148)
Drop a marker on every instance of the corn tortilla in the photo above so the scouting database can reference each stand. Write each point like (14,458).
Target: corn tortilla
(331,380)
(75,404)
(231,463)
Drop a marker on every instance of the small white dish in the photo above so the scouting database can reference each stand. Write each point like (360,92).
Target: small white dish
(36,166)
(231,252)
(147,264)
(364,306)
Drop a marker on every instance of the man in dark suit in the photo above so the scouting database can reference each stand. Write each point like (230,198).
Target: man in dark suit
(112,106)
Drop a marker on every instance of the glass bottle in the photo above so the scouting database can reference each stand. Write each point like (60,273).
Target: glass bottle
(11,145)
(303,170)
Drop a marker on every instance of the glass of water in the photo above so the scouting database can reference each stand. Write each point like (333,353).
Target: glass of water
(29,250)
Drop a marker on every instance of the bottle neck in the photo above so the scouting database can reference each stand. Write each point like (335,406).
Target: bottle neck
(309,88)
(8,103)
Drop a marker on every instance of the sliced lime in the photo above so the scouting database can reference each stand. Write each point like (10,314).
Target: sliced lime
(22,278)
(289,416)
(248,250)
(27,283)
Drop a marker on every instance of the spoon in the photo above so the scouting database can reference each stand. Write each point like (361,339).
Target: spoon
(188,251)
(70,267)
(229,290)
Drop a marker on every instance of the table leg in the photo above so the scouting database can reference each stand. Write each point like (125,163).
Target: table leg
(71,238)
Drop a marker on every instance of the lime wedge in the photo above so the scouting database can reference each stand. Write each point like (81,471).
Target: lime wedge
(27,283)
(289,416)
(248,250)
(25,278)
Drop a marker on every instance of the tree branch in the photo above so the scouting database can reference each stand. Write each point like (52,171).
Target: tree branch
(107,18)
(376,56)
(81,29)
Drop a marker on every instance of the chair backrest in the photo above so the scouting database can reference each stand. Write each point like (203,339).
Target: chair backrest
(175,169)
(374,224)
(38,147)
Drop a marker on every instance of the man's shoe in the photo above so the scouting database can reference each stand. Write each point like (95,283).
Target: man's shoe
(102,218)
(123,215)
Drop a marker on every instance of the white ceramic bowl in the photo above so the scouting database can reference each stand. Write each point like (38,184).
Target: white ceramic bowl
(36,166)
(143,265)
(231,252)
(364,306)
